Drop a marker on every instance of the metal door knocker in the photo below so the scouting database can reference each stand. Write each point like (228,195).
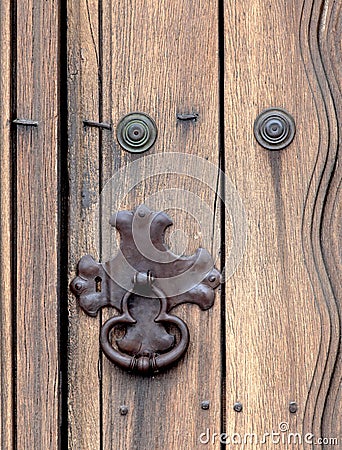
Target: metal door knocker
(144,282)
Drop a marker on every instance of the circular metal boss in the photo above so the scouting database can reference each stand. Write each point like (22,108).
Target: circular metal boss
(274,129)
(136,132)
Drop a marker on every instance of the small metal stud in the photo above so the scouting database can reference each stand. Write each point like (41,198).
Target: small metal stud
(237,407)
(136,132)
(205,404)
(293,407)
(123,410)
(274,129)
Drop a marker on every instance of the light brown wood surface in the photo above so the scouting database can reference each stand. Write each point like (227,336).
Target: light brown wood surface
(330,46)
(84,359)
(154,61)
(282,323)
(283,328)
(274,334)
(166,75)
(36,292)
(6,384)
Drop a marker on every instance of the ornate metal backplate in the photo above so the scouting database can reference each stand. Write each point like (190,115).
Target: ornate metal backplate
(144,282)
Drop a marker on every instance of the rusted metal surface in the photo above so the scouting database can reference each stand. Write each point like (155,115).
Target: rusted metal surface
(144,282)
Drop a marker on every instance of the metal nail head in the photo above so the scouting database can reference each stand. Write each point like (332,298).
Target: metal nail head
(123,410)
(293,407)
(237,407)
(205,404)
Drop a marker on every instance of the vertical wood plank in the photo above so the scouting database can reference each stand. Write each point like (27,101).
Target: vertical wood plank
(282,320)
(150,58)
(6,384)
(162,59)
(37,371)
(330,47)
(83,100)
(324,17)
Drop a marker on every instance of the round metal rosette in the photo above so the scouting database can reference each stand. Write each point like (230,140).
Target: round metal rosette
(136,132)
(274,129)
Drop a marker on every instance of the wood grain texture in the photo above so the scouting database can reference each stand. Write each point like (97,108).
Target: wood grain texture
(6,383)
(324,20)
(84,365)
(150,58)
(36,205)
(162,60)
(283,329)
(330,43)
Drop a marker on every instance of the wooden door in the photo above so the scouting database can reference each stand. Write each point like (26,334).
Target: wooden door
(263,368)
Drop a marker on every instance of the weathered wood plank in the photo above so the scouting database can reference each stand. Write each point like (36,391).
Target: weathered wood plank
(326,42)
(281,312)
(6,384)
(36,203)
(84,180)
(283,330)
(162,59)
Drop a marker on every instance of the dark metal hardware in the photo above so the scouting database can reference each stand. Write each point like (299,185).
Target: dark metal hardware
(145,281)
(237,407)
(136,132)
(123,410)
(191,116)
(92,123)
(293,407)
(205,404)
(274,129)
(26,122)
